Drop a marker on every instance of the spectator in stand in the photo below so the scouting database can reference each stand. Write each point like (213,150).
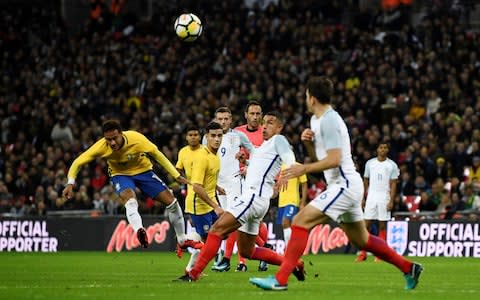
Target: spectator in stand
(61,132)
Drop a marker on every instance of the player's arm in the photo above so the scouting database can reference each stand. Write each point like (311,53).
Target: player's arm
(199,169)
(307,139)
(332,138)
(303,190)
(179,165)
(284,150)
(393,186)
(202,193)
(87,156)
(160,158)
(245,142)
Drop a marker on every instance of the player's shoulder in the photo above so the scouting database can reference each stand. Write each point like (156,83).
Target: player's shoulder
(241,128)
(392,162)
(132,134)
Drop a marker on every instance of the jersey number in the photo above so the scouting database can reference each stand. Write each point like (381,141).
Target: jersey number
(223,150)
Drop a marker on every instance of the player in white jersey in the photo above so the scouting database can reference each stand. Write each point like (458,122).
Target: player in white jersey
(229,182)
(247,211)
(328,141)
(380,178)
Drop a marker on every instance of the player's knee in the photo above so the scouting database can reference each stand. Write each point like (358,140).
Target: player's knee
(132,203)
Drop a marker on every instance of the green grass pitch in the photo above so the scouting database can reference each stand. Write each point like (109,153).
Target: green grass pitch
(148,275)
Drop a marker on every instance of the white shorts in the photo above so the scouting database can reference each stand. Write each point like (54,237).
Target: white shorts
(376,207)
(231,191)
(249,210)
(342,204)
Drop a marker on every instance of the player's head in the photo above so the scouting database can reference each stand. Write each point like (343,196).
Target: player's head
(192,135)
(382,149)
(272,124)
(223,116)
(253,114)
(214,134)
(319,90)
(112,132)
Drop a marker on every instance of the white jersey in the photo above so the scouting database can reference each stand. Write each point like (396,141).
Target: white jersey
(331,132)
(229,166)
(264,165)
(379,174)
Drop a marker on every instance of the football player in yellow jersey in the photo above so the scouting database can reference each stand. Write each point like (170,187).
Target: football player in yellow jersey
(187,153)
(185,160)
(290,200)
(128,155)
(203,207)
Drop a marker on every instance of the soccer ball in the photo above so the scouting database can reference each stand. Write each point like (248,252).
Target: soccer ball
(188,27)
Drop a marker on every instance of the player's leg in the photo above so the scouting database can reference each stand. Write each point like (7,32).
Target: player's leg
(125,187)
(303,222)
(332,201)
(357,234)
(289,212)
(362,254)
(154,187)
(202,224)
(383,217)
(220,229)
(224,264)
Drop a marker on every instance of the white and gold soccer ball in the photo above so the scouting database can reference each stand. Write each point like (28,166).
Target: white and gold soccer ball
(188,27)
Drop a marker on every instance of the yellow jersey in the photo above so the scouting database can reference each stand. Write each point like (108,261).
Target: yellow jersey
(186,156)
(291,196)
(132,159)
(205,168)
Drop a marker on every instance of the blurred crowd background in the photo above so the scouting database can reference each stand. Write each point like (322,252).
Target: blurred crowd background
(404,72)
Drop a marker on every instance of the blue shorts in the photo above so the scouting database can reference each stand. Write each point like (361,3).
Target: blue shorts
(203,223)
(148,182)
(286,212)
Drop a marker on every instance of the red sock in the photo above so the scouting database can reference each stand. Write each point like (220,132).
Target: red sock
(267,255)
(208,252)
(382,234)
(381,250)
(229,244)
(295,248)
(262,236)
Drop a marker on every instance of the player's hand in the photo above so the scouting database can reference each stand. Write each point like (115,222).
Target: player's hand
(241,157)
(307,135)
(68,191)
(219,211)
(389,206)
(182,180)
(281,184)
(293,171)
(221,191)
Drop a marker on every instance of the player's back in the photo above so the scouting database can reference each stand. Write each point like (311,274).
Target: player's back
(331,132)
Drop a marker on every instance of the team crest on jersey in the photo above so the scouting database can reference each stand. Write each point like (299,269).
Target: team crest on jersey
(397,235)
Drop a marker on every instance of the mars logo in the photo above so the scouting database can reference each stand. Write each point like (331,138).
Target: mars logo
(397,235)
(328,240)
(124,235)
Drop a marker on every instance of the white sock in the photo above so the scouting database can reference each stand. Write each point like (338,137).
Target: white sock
(193,259)
(175,216)
(287,232)
(133,217)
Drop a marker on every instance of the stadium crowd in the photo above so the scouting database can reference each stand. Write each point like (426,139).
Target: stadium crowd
(416,86)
